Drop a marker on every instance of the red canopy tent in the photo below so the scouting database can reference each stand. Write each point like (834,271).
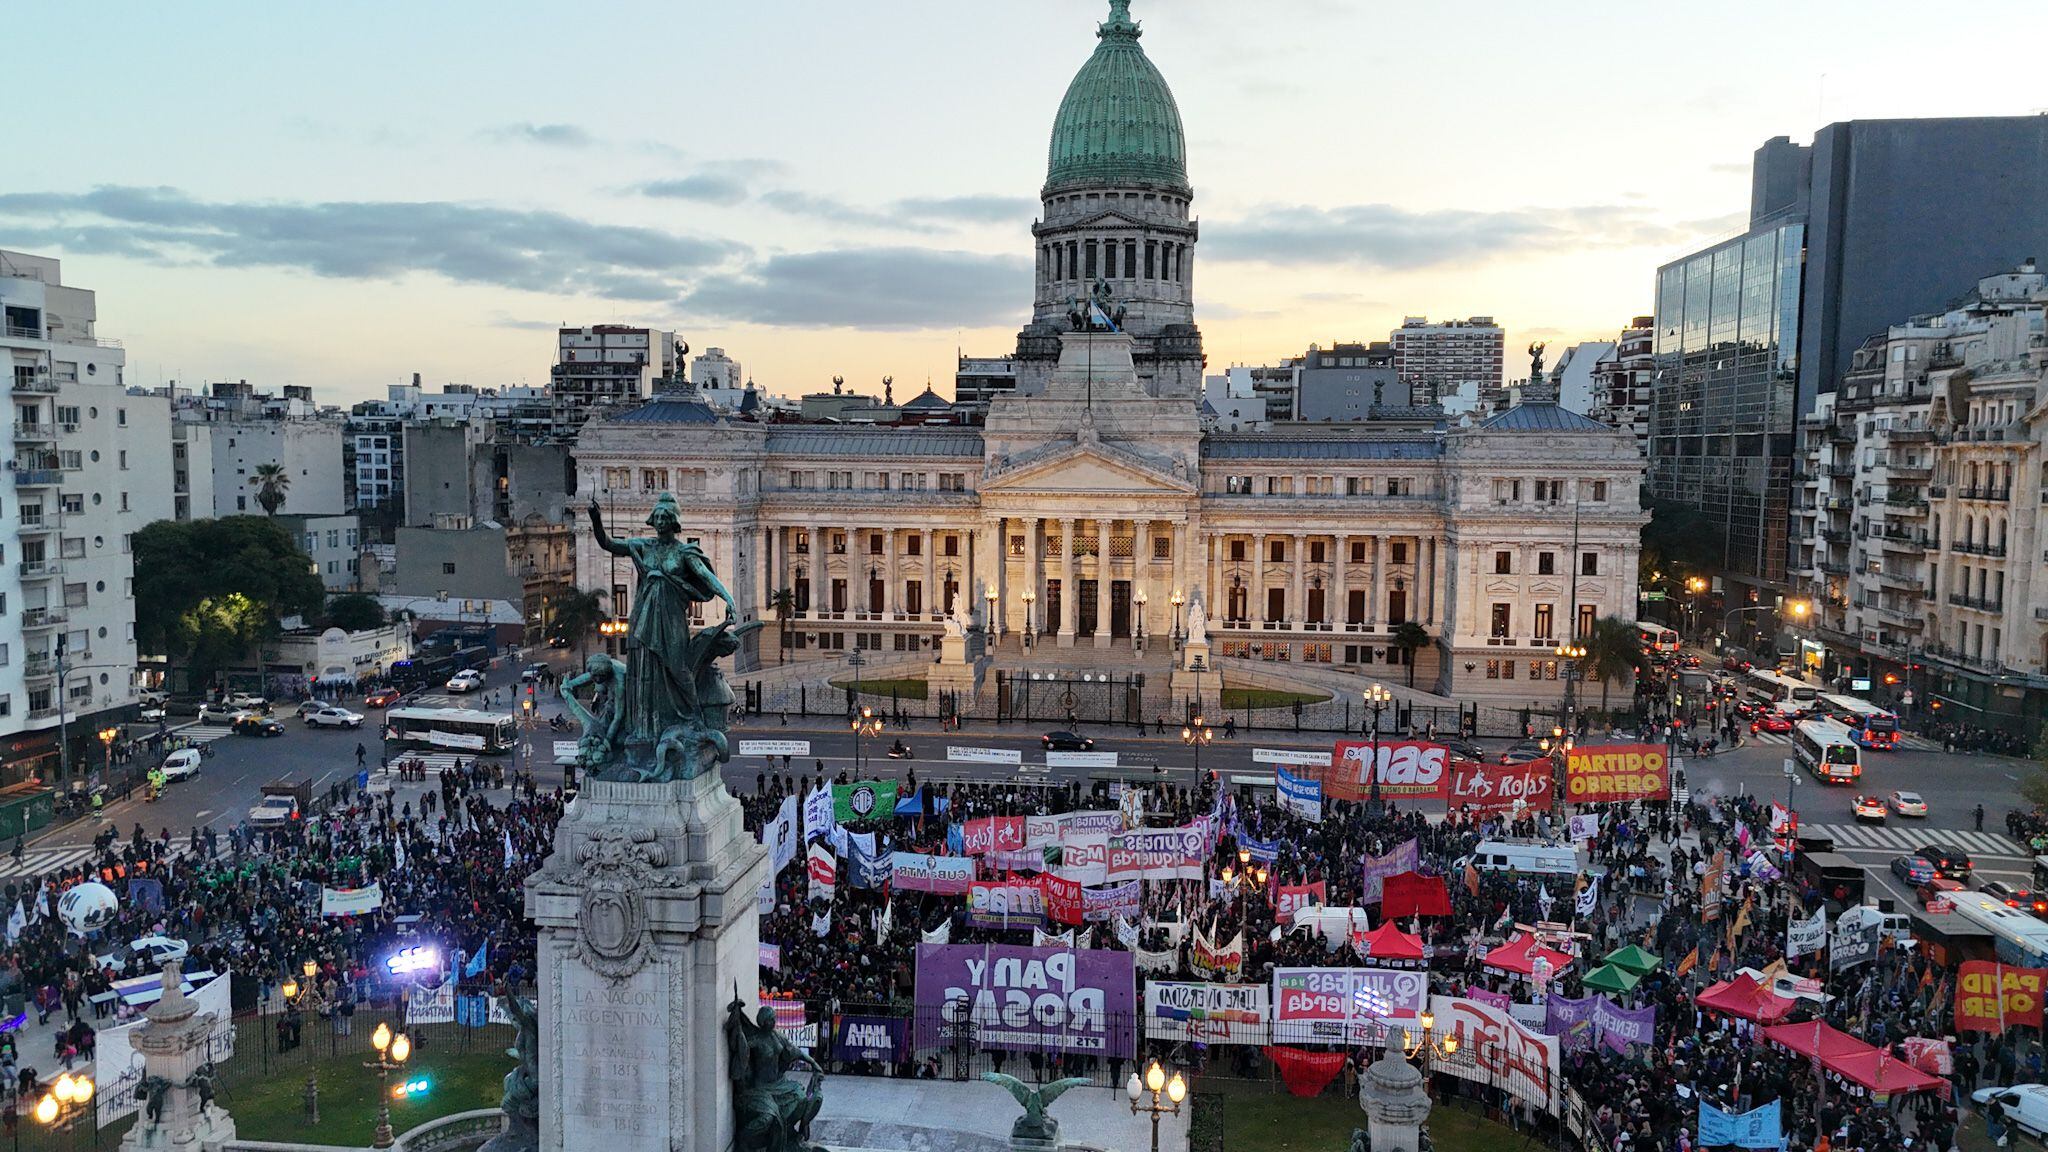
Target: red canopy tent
(1388,944)
(1815,1039)
(1747,999)
(1413,894)
(1882,1074)
(1519,956)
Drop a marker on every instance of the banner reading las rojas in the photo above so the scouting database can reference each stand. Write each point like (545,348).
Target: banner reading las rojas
(1027,999)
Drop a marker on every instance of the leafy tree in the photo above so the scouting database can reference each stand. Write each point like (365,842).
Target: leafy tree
(783,601)
(208,591)
(1614,652)
(1410,637)
(577,613)
(1679,540)
(355,612)
(273,484)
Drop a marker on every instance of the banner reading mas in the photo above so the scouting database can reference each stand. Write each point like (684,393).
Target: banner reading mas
(1606,773)
(1410,769)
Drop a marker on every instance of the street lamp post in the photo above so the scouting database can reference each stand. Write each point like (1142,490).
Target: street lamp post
(107,736)
(1796,608)
(1377,697)
(1138,633)
(1030,598)
(1426,1044)
(1244,875)
(1177,599)
(1196,734)
(1694,586)
(1569,655)
(989,625)
(65,1104)
(866,724)
(1156,1082)
(392,1052)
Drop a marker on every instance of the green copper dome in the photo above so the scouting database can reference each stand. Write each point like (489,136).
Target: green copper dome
(1118,123)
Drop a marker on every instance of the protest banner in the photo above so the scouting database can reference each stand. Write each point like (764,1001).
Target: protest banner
(1299,756)
(771,958)
(1291,898)
(1038,999)
(818,815)
(992,834)
(1005,905)
(1407,769)
(1064,903)
(1756,1128)
(1302,796)
(1855,942)
(866,866)
(823,869)
(1213,959)
(959,755)
(915,872)
(351,901)
(1405,858)
(1205,1013)
(1584,826)
(774,747)
(864,800)
(1808,936)
(1126,900)
(781,836)
(1157,854)
(1503,1053)
(1344,1005)
(871,1038)
(1991,997)
(1613,773)
(1490,786)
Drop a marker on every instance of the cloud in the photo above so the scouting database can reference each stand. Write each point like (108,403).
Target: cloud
(1382,236)
(533,251)
(895,289)
(969,209)
(704,188)
(832,210)
(550,135)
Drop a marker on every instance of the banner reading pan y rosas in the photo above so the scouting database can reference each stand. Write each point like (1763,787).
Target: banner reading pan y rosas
(1606,773)
(1027,999)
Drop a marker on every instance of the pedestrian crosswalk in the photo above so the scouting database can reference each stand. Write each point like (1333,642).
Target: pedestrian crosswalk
(37,861)
(1904,837)
(1907,742)
(202,733)
(438,762)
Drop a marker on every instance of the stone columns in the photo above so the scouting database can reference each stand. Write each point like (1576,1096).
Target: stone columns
(1297,607)
(1378,601)
(1256,608)
(892,580)
(1141,573)
(1338,607)
(1069,598)
(1101,583)
(1002,563)
(928,595)
(1034,559)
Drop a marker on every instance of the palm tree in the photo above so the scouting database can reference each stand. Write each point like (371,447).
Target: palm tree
(577,614)
(784,602)
(1409,637)
(273,484)
(1613,652)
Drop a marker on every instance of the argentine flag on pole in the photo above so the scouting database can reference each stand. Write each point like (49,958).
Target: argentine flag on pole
(1096,316)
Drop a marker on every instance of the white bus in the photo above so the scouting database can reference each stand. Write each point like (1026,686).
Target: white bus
(1656,637)
(450,730)
(1824,749)
(2016,937)
(1779,690)
(1869,725)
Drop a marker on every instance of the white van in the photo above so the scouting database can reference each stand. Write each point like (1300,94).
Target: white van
(181,765)
(2025,1105)
(1534,856)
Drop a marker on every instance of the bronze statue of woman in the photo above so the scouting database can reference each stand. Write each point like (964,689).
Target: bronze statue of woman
(661,688)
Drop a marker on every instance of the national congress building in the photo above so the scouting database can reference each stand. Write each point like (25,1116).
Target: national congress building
(1091,509)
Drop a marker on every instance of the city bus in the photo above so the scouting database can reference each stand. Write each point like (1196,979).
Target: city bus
(2017,937)
(1656,637)
(1824,749)
(450,730)
(1869,725)
(1779,690)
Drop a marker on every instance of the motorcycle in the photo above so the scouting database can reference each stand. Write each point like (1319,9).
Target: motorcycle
(900,751)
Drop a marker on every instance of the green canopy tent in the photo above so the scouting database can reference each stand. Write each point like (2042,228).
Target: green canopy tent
(1608,978)
(1634,958)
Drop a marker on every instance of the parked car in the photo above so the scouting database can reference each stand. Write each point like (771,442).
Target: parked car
(1913,870)
(1527,752)
(382,698)
(334,716)
(1066,742)
(1939,888)
(1907,803)
(250,724)
(144,956)
(309,706)
(151,714)
(2025,1106)
(532,673)
(1461,748)
(1777,723)
(183,706)
(219,714)
(467,680)
(274,811)
(1868,809)
(250,701)
(181,765)
(2024,899)
(1948,861)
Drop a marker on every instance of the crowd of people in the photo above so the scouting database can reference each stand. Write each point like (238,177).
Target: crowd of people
(1658,887)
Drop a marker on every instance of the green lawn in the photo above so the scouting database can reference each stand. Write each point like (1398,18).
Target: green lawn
(1235,699)
(902,689)
(1260,1117)
(273,1107)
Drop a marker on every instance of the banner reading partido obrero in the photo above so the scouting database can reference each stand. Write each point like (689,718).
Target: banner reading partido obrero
(1612,773)
(1027,999)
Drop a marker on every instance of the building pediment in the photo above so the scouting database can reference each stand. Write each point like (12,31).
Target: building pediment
(1081,469)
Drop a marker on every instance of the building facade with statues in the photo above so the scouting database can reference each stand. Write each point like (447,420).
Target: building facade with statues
(1091,510)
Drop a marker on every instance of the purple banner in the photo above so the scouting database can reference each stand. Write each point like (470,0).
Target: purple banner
(1126,900)
(1571,1021)
(1027,999)
(871,1038)
(1378,868)
(1620,1027)
(1490,999)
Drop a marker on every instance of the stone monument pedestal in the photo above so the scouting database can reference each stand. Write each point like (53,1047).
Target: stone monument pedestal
(647,926)
(172,1041)
(1195,679)
(1396,1105)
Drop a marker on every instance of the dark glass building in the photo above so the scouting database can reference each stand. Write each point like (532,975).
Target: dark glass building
(1877,221)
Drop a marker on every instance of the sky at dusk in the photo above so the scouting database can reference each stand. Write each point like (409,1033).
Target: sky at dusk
(344,195)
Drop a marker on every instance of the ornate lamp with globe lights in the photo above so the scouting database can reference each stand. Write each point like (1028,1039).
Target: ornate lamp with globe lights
(66,1103)
(392,1053)
(866,724)
(1244,875)
(1377,697)
(1156,1082)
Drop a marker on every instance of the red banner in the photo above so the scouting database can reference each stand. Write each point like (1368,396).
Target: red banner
(1413,894)
(1610,773)
(1408,770)
(1063,900)
(1306,1073)
(1991,997)
(993,834)
(1291,898)
(1489,786)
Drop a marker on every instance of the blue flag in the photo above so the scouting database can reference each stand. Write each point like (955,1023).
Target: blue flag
(956,840)
(475,967)
(1756,1128)
(472,1011)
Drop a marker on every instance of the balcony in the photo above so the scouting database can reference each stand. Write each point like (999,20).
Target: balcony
(1997,495)
(1917,472)
(24,332)
(1904,506)
(49,713)
(1975,603)
(1833,569)
(1901,581)
(39,668)
(1834,535)
(38,383)
(1840,471)
(1841,435)
(1904,617)
(35,618)
(36,477)
(41,569)
(1937,491)
(1911,435)
(1965,548)
(48,522)
(1903,541)
(35,432)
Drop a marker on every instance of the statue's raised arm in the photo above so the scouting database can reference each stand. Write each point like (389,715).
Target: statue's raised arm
(604,540)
